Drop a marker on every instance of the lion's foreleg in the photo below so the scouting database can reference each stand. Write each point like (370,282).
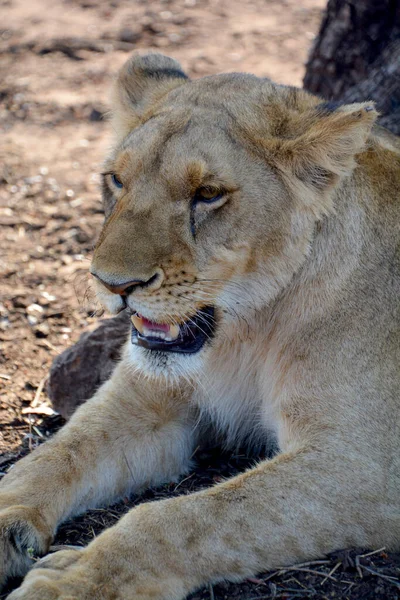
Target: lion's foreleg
(296,507)
(127,437)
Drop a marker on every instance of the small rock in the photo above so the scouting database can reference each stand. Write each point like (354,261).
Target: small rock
(42,330)
(129,35)
(47,297)
(32,308)
(32,320)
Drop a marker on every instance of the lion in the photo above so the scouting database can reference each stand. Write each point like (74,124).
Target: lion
(252,233)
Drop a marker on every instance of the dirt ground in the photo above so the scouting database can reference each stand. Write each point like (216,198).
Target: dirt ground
(57,61)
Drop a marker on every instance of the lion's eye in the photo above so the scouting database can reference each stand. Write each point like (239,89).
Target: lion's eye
(116,181)
(208,195)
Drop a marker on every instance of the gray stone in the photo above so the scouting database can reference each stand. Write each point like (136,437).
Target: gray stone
(76,374)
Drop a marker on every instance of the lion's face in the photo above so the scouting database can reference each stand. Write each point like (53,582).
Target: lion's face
(208,212)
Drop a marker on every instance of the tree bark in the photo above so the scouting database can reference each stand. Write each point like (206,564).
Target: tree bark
(356,56)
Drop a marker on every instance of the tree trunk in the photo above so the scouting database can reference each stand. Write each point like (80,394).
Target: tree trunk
(357,56)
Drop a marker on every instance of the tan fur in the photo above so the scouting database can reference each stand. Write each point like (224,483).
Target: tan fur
(300,257)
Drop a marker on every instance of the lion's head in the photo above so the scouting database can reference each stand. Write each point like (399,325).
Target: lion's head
(211,195)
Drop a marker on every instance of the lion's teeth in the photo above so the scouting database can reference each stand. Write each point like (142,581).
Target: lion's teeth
(174,331)
(137,323)
(169,336)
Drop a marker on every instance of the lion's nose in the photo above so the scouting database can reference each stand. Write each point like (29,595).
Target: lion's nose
(127,287)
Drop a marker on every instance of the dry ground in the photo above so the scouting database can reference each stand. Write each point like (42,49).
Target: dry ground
(57,61)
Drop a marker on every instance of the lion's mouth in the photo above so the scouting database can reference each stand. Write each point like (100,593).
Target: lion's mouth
(188,337)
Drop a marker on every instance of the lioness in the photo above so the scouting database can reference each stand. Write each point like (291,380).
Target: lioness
(252,231)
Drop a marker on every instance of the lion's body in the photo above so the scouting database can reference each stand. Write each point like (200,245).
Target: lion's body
(300,254)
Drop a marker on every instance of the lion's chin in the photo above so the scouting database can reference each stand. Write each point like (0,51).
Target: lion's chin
(170,366)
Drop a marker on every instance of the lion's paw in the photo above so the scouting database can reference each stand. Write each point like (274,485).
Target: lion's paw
(56,577)
(86,575)
(23,535)
(59,560)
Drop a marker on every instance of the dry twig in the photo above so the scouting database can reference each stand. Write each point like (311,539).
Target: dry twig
(335,568)
(39,391)
(388,578)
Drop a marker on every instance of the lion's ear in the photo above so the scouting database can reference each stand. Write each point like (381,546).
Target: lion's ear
(314,161)
(141,82)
